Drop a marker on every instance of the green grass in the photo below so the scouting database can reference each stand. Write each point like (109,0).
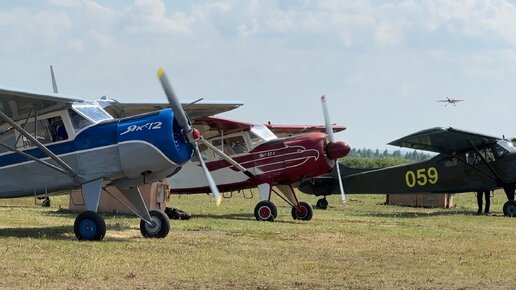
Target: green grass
(363,244)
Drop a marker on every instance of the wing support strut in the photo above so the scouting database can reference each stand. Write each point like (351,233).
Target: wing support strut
(42,147)
(28,156)
(227,158)
(498,177)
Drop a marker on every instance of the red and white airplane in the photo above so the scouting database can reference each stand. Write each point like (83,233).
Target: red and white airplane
(263,160)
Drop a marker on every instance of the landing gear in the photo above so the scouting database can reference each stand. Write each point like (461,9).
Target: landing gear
(322,203)
(89,226)
(303,211)
(509,208)
(265,211)
(159,227)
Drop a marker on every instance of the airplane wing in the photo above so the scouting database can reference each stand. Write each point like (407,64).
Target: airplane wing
(195,111)
(444,140)
(230,126)
(288,130)
(224,125)
(17,104)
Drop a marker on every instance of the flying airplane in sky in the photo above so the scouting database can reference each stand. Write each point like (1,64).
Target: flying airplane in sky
(466,162)
(450,101)
(51,143)
(269,163)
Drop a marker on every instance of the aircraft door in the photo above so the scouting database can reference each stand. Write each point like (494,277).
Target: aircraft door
(478,172)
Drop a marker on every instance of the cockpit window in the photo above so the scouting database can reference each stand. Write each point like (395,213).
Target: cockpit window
(503,147)
(92,111)
(260,133)
(78,121)
(473,158)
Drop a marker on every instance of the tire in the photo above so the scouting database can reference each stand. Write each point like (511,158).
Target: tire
(160,225)
(265,211)
(322,203)
(509,208)
(89,226)
(303,211)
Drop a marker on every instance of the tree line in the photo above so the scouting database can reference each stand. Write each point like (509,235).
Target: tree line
(368,158)
(369,153)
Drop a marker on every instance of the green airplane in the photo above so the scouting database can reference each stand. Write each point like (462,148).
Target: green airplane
(465,162)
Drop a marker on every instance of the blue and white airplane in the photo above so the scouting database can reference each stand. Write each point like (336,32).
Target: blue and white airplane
(52,143)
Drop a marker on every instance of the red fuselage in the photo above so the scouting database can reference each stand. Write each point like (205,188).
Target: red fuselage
(280,161)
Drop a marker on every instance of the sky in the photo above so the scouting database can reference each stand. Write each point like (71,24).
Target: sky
(381,64)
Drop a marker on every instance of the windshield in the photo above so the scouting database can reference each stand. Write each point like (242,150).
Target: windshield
(92,111)
(503,147)
(260,133)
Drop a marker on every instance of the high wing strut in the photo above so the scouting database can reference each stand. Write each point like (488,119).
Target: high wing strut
(498,177)
(42,147)
(34,158)
(467,164)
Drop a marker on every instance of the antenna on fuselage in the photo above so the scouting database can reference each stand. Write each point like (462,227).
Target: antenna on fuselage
(54,84)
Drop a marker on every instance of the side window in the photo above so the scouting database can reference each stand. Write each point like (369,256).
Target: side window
(206,153)
(232,145)
(8,138)
(488,154)
(237,144)
(473,158)
(39,130)
(78,121)
(57,129)
(222,146)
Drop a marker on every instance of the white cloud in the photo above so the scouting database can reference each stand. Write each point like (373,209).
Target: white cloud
(150,17)
(386,34)
(246,30)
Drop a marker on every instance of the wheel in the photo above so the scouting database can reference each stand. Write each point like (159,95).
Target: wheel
(303,211)
(265,211)
(322,203)
(89,226)
(160,225)
(509,208)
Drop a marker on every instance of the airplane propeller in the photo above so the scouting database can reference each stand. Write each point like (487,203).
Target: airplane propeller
(329,132)
(192,134)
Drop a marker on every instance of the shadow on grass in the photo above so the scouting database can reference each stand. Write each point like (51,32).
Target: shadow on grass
(61,212)
(56,232)
(423,214)
(242,217)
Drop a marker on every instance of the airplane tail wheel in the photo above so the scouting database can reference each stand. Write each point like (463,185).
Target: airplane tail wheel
(159,227)
(89,226)
(265,211)
(509,208)
(322,203)
(303,211)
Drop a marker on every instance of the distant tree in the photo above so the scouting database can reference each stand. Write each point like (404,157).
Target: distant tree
(371,162)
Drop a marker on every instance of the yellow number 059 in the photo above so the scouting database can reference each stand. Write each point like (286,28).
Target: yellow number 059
(421,177)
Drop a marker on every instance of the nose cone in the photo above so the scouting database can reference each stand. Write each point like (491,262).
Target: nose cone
(337,150)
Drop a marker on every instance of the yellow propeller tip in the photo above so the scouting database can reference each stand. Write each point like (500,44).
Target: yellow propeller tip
(219,201)
(161,71)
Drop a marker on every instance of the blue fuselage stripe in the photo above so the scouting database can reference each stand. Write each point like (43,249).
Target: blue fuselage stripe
(159,133)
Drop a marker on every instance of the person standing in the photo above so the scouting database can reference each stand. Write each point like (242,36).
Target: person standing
(487,195)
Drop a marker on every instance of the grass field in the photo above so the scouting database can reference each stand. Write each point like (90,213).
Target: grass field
(364,245)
